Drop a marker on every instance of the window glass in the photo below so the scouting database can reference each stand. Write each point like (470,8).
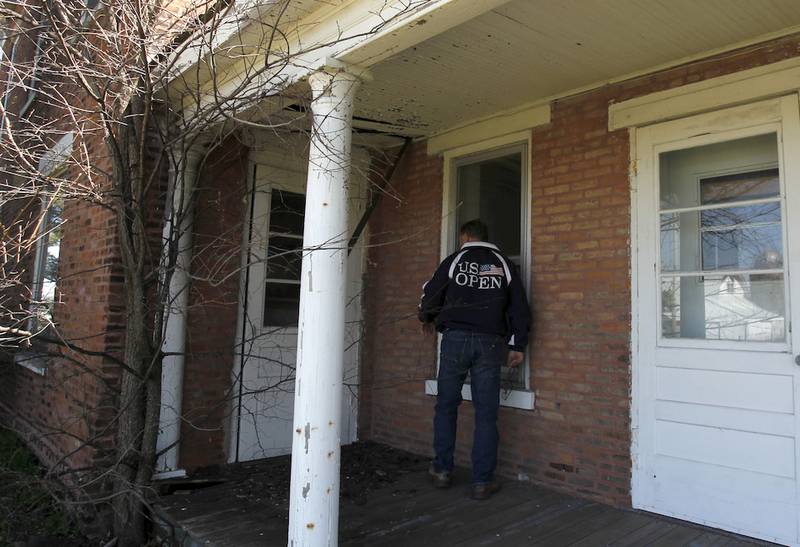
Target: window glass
(284,259)
(722,266)
(491,190)
(49,253)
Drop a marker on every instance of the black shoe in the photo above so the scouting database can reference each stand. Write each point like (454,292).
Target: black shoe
(485,490)
(441,479)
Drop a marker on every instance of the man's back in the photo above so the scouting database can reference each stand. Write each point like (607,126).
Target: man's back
(477,289)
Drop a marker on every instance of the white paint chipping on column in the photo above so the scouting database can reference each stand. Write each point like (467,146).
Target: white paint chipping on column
(182,176)
(314,498)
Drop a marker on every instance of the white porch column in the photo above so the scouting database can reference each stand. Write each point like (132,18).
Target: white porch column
(314,498)
(182,178)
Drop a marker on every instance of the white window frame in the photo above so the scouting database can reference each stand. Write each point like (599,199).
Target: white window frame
(487,149)
(52,162)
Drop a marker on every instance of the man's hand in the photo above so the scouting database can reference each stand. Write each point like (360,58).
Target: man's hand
(428,329)
(515,358)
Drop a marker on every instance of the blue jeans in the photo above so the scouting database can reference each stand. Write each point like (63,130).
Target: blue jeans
(481,355)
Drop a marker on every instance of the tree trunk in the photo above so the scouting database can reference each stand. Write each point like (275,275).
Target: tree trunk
(129,510)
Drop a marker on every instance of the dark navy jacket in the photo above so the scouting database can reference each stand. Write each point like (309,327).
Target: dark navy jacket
(478,289)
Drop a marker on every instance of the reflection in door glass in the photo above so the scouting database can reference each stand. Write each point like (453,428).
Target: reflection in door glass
(747,308)
(721,242)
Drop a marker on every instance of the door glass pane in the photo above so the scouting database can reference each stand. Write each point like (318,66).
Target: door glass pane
(287,211)
(749,248)
(730,256)
(740,186)
(282,304)
(743,307)
(284,259)
(737,170)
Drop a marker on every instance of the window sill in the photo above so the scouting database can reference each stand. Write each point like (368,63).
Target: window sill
(516,398)
(35,362)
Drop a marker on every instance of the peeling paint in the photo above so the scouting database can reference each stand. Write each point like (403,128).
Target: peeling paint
(306,489)
(308,434)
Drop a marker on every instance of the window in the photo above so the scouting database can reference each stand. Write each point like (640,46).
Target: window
(722,266)
(44,279)
(284,259)
(89,11)
(493,186)
(45,272)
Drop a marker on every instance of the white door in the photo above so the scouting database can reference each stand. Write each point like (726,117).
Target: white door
(264,401)
(717,262)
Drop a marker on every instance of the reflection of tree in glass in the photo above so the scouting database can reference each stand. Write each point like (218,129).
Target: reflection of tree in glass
(742,237)
(740,187)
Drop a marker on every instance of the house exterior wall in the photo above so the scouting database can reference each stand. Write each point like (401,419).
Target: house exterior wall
(578,438)
(65,413)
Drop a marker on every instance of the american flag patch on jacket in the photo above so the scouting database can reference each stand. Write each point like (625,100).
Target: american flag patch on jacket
(490,269)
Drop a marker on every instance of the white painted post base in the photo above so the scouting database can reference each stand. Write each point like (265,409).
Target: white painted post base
(314,498)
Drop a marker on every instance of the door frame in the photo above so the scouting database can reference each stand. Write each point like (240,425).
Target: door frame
(282,155)
(696,128)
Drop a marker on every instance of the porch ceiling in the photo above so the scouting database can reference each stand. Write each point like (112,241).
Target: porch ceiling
(528,50)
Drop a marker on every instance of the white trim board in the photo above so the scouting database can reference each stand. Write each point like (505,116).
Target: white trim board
(501,125)
(741,87)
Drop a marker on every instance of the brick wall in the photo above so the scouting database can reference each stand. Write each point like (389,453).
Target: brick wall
(578,437)
(213,307)
(65,416)
(404,248)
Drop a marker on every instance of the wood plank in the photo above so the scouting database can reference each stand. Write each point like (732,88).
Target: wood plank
(531,529)
(481,526)
(445,525)
(582,528)
(630,523)
(680,535)
(708,539)
(405,506)
(654,529)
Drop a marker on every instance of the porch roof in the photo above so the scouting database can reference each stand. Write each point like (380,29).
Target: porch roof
(529,51)
(448,63)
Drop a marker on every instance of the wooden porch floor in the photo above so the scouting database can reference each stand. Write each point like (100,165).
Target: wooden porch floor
(410,512)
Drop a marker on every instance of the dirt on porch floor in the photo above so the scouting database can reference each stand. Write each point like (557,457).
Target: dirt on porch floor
(387,500)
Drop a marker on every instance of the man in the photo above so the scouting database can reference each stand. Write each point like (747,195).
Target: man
(477,301)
